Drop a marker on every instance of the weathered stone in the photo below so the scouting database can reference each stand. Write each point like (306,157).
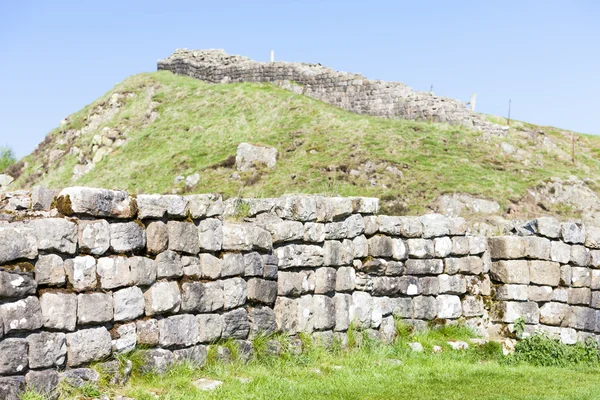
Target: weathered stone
(157,237)
(262,321)
(409,285)
(78,377)
(162,297)
(435,225)
(337,253)
(566,275)
(544,273)
(325,280)
(510,311)
(537,247)
(253,264)
(125,338)
(560,295)
(507,247)
(365,205)
(93,237)
(49,270)
(510,271)
(114,272)
(16,284)
(157,361)
(547,226)
(314,232)
(595,301)
(249,156)
(304,209)
(262,290)
(581,296)
(460,245)
(402,307)
(147,332)
(442,246)
(560,252)
(286,231)
(205,205)
(44,383)
(324,312)
(81,272)
(47,349)
(59,310)
(512,292)
(572,232)
(420,248)
(236,324)
(55,234)
(143,271)
(553,313)
(210,234)
(580,318)
(168,265)
(87,345)
(424,267)
(342,305)
(452,284)
(424,307)
(448,306)
(235,292)
(380,246)
(305,314)
(595,279)
(158,206)
(202,297)
(289,284)
(580,256)
(387,285)
(93,308)
(95,202)
(210,327)
(581,277)
(196,355)
(296,255)
(183,237)
(363,309)
(592,237)
(178,330)
(204,266)
(472,306)
(394,268)
(13,356)
(539,293)
(430,285)
(345,279)
(128,304)
(286,315)
(22,315)
(17,242)
(477,244)
(232,264)
(245,236)
(127,237)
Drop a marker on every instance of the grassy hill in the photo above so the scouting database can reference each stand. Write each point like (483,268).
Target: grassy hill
(153,127)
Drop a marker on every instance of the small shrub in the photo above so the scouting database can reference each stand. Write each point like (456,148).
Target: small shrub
(540,349)
(7,158)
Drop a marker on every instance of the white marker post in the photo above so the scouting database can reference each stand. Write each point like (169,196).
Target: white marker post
(272,55)
(472,102)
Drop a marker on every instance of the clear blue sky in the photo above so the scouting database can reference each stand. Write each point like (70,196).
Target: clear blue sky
(57,56)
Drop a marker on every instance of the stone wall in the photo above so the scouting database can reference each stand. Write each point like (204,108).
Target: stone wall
(351,92)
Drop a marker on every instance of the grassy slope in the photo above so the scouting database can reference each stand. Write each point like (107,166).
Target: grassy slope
(200,126)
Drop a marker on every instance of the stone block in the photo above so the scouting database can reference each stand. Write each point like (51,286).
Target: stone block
(510,311)
(87,345)
(386,285)
(595,301)
(402,307)
(262,291)
(472,306)
(592,237)
(94,308)
(448,306)
(442,246)
(286,315)
(409,285)
(435,225)
(566,275)
(202,296)
(547,226)
(262,321)
(168,265)
(539,293)
(210,327)
(544,273)
(537,248)
(479,285)
(17,242)
(178,330)
(157,237)
(158,206)
(305,314)
(235,293)
(115,272)
(336,253)
(162,297)
(232,264)
(207,267)
(581,318)
(50,270)
(59,310)
(561,295)
(314,232)
(452,284)
(399,250)
(143,271)
(245,237)
(560,252)
(128,304)
(581,277)
(477,244)
(21,315)
(205,205)
(424,267)
(253,264)
(430,285)
(371,225)
(297,255)
(394,268)
(380,246)
(595,279)
(55,234)
(420,248)
(12,387)
(81,273)
(157,361)
(512,292)
(44,383)
(362,309)
(510,271)
(127,237)
(289,284)
(553,313)
(572,232)
(195,355)
(345,279)
(360,245)
(325,280)
(342,303)
(210,234)
(16,284)
(580,256)
(507,247)
(424,307)
(47,349)
(236,324)
(323,312)
(460,245)
(93,237)
(13,356)
(580,296)
(147,332)
(125,338)
(183,237)
(595,258)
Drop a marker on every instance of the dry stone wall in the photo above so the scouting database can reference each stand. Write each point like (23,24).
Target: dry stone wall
(87,273)
(351,92)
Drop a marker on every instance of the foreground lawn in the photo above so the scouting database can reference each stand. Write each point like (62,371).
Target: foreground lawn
(374,372)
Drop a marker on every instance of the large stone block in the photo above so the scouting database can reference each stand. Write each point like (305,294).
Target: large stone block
(128,304)
(362,309)
(297,255)
(262,321)
(323,312)
(158,206)
(232,264)
(286,231)
(253,264)
(143,270)
(430,285)
(402,307)
(580,256)
(210,266)
(580,296)
(442,246)
(460,245)
(290,284)
(544,272)
(236,324)
(49,270)
(96,202)
(336,253)
(59,310)
(303,208)
(114,272)
(210,327)
(424,267)
(512,292)
(410,285)
(581,318)
(210,234)
(547,226)
(581,277)
(472,306)
(342,303)
(286,315)
(510,271)
(178,330)
(127,237)
(553,313)
(87,345)
(507,247)
(539,293)
(44,383)
(17,242)
(262,291)
(245,236)
(572,232)
(325,279)
(12,387)
(16,284)
(55,234)
(183,237)
(345,279)
(592,237)
(93,237)
(157,237)
(452,284)
(147,332)
(560,252)
(448,306)
(13,356)
(205,205)
(314,232)
(420,248)
(162,297)
(537,248)
(424,307)
(157,361)
(168,265)
(380,246)
(195,355)
(124,338)
(47,349)
(510,311)
(477,244)
(202,296)
(94,308)
(81,272)
(387,285)
(22,315)
(235,293)
(435,225)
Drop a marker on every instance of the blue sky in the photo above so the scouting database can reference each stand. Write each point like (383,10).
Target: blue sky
(56,57)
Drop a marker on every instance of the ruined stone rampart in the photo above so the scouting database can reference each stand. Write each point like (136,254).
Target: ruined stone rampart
(94,272)
(351,92)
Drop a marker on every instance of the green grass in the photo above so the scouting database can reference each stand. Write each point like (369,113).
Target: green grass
(199,126)
(7,158)
(374,371)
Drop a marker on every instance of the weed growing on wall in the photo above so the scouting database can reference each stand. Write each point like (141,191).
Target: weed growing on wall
(540,349)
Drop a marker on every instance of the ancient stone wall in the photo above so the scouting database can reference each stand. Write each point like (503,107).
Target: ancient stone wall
(87,273)
(351,92)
